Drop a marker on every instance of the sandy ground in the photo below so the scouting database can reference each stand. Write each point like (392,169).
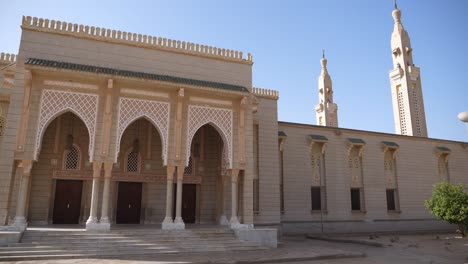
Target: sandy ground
(402,249)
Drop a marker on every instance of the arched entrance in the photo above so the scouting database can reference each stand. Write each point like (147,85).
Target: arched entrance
(139,175)
(60,186)
(204,203)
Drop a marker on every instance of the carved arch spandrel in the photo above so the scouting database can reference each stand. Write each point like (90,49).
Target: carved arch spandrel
(55,102)
(156,112)
(219,118)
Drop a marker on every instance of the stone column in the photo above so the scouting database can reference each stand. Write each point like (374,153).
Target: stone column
(178,221)
(222,217)
(104,222)
(168,224)
(234,177)
(19,222)
(92,222)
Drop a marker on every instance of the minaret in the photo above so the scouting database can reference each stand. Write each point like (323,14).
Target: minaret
(405,81)
(326,110)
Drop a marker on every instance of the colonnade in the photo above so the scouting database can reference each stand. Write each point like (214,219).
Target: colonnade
(93,223)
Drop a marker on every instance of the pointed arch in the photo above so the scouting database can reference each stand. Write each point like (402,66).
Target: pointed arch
(219,118)
(156,112)
(55,103)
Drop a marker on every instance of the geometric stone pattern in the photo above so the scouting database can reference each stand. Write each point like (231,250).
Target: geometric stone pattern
(221,119)
(54,103)
(157,113)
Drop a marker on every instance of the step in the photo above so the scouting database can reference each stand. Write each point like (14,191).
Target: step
(41,244)
(104,254)
(154,250)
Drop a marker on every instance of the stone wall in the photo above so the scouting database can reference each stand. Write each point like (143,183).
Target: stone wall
(416,164)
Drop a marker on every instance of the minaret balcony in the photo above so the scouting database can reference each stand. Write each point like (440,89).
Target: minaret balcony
(396,74)
(413,72)
(319,108)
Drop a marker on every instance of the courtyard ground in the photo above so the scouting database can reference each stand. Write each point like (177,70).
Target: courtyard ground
(401,249)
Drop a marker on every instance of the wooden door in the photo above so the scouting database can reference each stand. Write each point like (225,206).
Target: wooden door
(67,203)
(129,203)
(189,203)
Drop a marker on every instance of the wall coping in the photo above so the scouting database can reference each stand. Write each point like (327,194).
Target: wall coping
(133,39)
(265,93)
(7,58)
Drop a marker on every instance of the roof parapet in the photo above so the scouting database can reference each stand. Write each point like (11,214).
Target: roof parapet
(133,39)
(7,58)
(265,93)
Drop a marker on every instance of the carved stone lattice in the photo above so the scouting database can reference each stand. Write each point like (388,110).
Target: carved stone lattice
(221,119)
(54,103)
(133,161)
(72,158)
(156,112)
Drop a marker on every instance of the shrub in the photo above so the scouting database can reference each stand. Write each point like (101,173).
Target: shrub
(449,202)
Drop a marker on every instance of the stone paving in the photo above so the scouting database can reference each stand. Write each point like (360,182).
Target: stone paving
(291,249)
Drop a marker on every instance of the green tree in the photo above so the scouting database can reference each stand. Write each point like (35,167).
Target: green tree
(449,202)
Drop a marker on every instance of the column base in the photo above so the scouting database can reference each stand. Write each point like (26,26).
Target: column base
(97,226)
(91,220)
(167,224)
(179,223)
(223,220)
(237,226)
(19,224)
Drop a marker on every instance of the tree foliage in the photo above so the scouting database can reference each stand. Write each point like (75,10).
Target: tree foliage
(449,202)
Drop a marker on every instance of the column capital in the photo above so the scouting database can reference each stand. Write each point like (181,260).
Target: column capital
(27,167)
(107,169)
(234,175)
(170,172)
(97,169)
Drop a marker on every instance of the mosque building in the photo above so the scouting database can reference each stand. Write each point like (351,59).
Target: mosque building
(101,127)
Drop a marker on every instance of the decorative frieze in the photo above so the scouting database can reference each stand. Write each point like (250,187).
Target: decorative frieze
(54,103)
(129,91)
(133,177)
(132,39)
(71,84)
(209,101)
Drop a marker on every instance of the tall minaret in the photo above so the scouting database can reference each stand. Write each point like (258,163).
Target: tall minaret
(326,110)
(405,81)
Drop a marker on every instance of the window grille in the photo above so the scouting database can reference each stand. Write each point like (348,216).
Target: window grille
(72,158)
(133,161)
(401,110)
(189,169)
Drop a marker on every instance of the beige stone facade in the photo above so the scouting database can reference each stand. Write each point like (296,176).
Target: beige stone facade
(149,130)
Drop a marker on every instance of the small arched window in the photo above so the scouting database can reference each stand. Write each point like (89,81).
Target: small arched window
(72,158)
(132,161)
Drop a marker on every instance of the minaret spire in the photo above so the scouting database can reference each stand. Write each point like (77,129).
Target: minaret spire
(395,4)
(326,110)
(408,104)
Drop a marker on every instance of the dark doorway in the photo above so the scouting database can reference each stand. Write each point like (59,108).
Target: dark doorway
(67,203)
(129,203)
(189,202)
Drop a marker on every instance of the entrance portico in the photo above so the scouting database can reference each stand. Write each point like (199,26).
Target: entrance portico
(152,134)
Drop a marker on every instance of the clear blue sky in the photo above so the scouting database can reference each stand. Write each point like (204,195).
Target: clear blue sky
(286,39)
